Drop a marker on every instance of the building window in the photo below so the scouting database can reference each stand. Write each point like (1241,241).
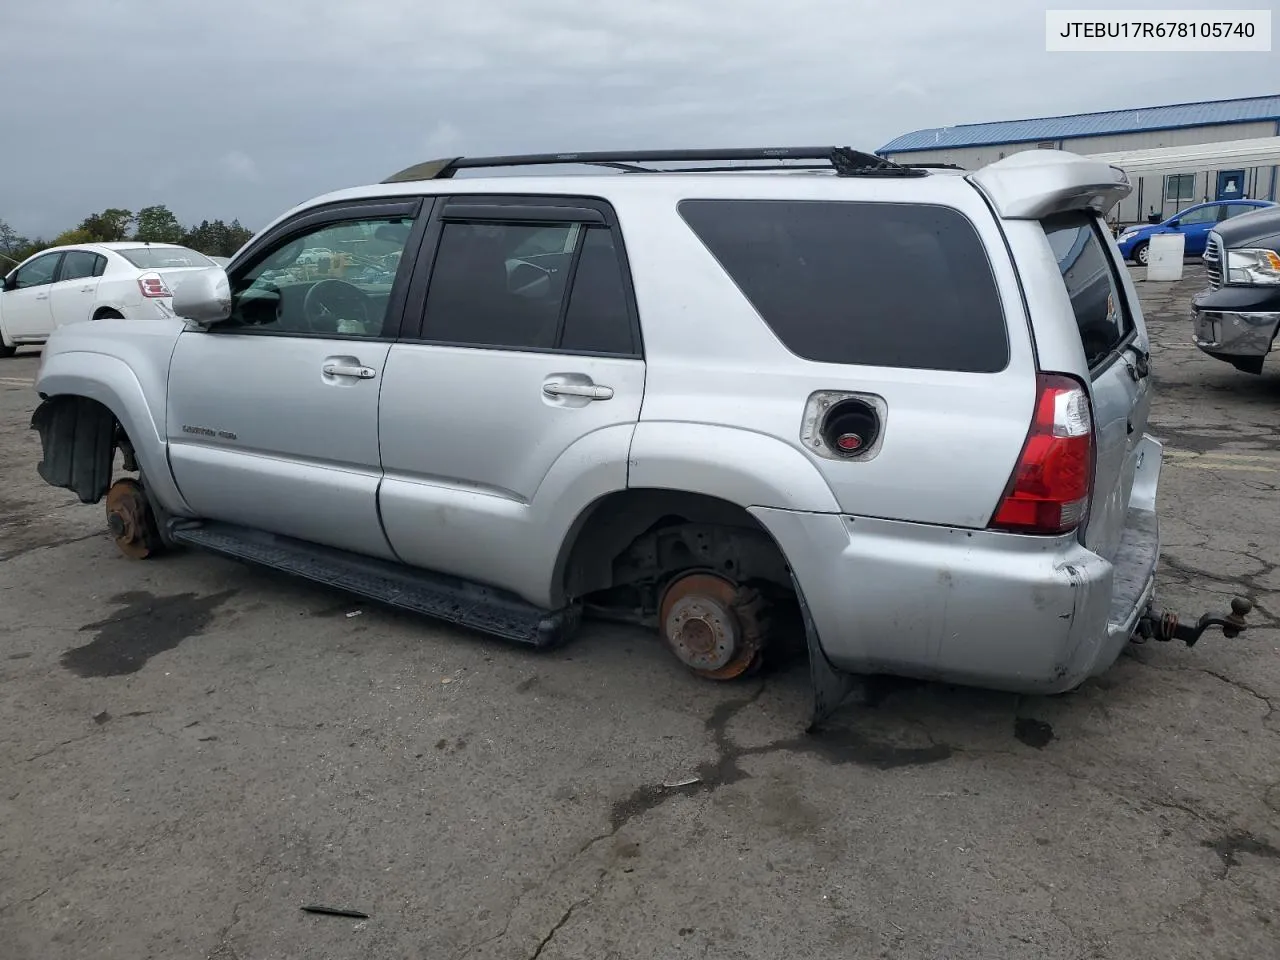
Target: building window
(1047,145)
(1179,187)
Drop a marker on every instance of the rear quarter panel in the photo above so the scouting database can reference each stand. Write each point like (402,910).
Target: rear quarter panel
(1120,404)
(950,439)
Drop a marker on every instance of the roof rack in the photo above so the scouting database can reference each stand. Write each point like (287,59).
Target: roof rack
(844,161)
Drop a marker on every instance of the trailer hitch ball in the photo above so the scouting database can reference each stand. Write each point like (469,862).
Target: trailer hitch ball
(1241,607)
(1165,626)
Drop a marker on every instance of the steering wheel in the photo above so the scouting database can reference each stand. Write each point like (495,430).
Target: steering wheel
(332,301)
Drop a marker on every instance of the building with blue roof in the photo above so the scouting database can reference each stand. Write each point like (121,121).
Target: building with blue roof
(973,145)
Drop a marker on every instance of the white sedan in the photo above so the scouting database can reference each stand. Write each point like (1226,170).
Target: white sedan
(88,282)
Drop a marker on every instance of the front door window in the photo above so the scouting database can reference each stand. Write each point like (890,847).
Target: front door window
(334,280)
(38,272)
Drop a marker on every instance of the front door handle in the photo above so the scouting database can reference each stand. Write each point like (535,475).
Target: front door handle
(349,370)
(42,296)
(588,391)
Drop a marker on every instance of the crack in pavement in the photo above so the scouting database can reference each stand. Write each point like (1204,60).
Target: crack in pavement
(1249,582)
(1240,685)
(835,745)
(225,950)
(497,936)
(50,545)
(59,746)
(99,720)
(25,900)
(542,945)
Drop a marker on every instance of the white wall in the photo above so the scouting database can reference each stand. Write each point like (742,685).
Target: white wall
(1149,191)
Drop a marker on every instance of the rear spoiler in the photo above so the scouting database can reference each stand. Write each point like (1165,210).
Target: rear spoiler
(1035,184)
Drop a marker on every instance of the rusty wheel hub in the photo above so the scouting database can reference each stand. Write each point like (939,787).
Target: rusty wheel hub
(712,625)
(130,520)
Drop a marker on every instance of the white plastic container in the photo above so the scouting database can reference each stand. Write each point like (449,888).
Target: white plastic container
(1164,256)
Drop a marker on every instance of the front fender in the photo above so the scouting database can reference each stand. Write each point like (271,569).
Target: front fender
(740,466)
(112,383)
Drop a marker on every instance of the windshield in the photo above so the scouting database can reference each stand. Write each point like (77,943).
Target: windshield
(152,258)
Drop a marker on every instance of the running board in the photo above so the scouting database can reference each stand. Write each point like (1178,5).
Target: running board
(433,595)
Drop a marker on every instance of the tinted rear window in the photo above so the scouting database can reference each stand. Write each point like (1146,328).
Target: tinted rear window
(1088,274)
(154,258)
(875,284)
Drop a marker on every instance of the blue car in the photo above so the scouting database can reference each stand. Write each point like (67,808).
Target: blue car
(1194,223)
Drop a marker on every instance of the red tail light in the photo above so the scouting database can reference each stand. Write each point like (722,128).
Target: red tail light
(153,285)
(1049,490)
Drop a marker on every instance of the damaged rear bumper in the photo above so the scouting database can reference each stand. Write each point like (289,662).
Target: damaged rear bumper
(1033,615)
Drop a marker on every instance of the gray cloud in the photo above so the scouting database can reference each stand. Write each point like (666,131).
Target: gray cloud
(242,108)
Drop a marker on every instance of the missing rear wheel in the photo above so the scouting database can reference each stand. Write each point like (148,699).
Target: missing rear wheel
(715,627)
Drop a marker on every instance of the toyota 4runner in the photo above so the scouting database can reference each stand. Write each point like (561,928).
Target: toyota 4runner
(907,404)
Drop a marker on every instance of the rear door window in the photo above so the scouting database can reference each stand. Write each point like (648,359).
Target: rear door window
(874,284)
(79,265)
(524,286)
(1089,276)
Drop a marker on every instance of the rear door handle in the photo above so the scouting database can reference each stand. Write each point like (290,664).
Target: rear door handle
(349,370)
(588,391)
(86,289)
(42,296)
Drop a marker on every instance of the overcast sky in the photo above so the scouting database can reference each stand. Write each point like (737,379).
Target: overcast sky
(242,108)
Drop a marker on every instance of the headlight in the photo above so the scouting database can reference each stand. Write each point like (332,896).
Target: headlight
(1253,266)
(1127,235)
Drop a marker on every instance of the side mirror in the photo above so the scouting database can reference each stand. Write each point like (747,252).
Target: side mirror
(1174,224)
(203,296)
(10,281)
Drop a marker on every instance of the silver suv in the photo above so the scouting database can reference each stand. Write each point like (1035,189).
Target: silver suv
(907,405)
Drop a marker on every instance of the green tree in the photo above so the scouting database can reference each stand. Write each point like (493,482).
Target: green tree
(157,224)
(9,239)
(14,248)
(74,235)
(237,237)
(216,238)
(109,225)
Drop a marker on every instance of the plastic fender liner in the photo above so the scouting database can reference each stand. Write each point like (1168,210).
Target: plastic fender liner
(78,438)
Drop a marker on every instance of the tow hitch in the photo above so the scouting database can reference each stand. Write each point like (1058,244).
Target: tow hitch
(1154,625)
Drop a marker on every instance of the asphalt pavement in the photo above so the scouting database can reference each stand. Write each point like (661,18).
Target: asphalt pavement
(192,750)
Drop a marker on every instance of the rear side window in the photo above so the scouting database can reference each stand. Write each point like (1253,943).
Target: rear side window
(1088,273)
(521,286)
(80,265)
(597,319)
(874,284)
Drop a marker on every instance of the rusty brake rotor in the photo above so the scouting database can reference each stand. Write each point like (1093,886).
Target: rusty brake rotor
(130,520)
(712,625)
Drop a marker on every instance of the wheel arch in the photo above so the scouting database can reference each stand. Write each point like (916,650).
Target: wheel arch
(607,527)
(701,473)
(111,384)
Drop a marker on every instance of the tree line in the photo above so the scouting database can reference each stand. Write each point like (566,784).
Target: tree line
(155,224)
